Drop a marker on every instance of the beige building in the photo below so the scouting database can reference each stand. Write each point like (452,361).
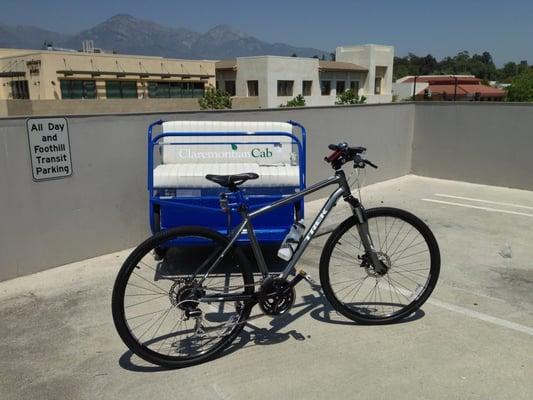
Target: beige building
(69,75)
(274,80)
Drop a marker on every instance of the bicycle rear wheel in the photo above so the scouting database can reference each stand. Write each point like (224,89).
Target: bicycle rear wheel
(157,304)
(405,246)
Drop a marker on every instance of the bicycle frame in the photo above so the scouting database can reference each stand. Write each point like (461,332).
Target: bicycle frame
(343,190)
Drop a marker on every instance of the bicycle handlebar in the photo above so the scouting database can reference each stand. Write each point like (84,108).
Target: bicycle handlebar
(342,153)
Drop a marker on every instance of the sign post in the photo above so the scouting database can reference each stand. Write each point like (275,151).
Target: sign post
(49,148)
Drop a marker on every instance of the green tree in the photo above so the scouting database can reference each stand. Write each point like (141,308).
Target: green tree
(298,101)
(349,97)
(480,65)
(414,65)
(522,67)
(521,88)
(214,99)
(508,71)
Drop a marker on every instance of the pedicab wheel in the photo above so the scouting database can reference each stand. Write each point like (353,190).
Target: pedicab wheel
(159,307)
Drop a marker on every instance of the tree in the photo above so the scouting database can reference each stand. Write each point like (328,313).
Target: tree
(508,71)
(214,99)
(414,65)
(521,88)
(332,56)
(298,101)
(480,65)
(294,55)
(349,97)
(522,67)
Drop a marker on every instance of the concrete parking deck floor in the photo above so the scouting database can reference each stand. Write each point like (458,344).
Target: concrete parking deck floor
(472,340)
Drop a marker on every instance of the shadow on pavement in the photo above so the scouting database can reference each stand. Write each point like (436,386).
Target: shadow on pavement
(314,303)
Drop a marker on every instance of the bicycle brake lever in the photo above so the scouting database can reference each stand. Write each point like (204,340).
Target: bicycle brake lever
(370,163)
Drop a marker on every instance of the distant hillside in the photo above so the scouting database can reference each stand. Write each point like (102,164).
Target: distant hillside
(130,35)
(28,37)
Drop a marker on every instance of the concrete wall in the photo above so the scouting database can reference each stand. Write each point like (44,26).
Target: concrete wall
(475,142)
(102,207)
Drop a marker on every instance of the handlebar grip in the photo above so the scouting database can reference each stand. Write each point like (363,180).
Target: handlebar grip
(333,156)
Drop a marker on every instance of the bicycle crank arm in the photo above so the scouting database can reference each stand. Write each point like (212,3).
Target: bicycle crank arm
(299,277)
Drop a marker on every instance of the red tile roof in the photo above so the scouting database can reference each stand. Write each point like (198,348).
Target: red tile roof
(442,79)
(463,90)
(485,90)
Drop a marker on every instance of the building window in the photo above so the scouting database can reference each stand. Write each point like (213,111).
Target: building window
(285,88)
(340,87)
(77,89)
(253,88)
(20,90)
(230,87)
(307,88)
(121,89)
(377,86)
(354,85)
(325,88)
(172,90)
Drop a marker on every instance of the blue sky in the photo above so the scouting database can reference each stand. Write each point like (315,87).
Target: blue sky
(505,28)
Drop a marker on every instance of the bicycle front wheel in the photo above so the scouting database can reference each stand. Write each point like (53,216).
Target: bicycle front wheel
(405,247)
(159,299)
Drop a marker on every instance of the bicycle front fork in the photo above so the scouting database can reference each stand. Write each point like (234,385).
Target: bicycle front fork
(364,234)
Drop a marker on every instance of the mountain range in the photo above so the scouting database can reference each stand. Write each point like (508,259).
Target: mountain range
(129,35)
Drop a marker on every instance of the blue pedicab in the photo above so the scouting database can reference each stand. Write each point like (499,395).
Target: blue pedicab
(180,195)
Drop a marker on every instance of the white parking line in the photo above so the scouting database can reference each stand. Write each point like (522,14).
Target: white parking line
(472,314)
(483,317)
(483,201)
(478,207)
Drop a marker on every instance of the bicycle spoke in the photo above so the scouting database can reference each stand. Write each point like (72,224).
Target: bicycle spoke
(168,310)
(399,246)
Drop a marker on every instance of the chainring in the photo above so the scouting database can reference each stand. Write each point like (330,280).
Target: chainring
(276,296)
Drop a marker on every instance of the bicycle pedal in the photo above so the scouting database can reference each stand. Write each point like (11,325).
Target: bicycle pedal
(307,277)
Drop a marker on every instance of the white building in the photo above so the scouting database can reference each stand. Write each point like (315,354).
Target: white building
(274,80)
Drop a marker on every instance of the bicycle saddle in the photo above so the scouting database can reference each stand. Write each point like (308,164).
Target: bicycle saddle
(231,181)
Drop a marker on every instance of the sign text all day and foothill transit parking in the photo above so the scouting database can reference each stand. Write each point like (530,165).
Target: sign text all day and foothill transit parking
(49,148)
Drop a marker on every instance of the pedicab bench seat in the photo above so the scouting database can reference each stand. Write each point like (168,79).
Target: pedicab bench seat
(223,148)
(193,175)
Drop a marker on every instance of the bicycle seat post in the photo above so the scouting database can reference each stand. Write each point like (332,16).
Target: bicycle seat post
(241,199)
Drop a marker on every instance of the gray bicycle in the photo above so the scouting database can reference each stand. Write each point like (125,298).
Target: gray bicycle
(185,305)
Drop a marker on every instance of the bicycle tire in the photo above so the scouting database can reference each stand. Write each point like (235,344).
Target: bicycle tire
(352,312)
(118,296)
